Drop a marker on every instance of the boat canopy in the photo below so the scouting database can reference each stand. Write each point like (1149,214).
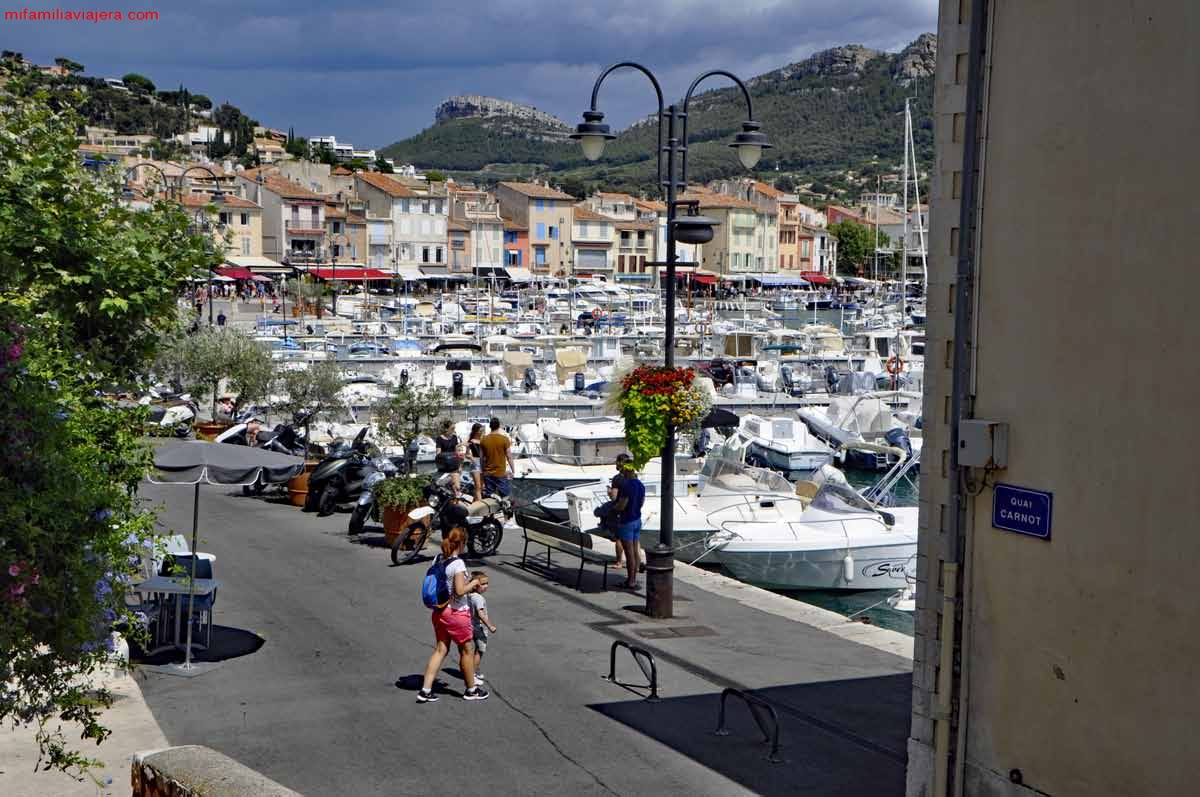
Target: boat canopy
(515,363)
(568,362)
(724,473)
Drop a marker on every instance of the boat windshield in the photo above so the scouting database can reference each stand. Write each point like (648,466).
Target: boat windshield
(833,497)
(597,451)
(725,473)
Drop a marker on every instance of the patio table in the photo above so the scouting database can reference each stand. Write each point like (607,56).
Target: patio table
(176,585)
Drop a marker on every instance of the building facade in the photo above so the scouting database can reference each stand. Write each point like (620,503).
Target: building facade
(548,215)
(236,223)
(1055,599)
(418,220)
(592,240)
(293,226)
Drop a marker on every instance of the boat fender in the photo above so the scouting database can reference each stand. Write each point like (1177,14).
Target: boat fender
(848,567)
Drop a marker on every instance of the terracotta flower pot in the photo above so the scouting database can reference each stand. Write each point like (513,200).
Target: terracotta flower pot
(208,430)
(395,521)
(297,486)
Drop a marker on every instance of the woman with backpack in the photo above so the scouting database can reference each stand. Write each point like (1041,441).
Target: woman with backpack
(452,617)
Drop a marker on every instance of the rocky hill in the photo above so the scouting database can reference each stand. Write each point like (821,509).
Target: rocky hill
(834,119)
(475,106)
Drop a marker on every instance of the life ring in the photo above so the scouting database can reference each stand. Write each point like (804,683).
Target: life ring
(596,314)
(895,365)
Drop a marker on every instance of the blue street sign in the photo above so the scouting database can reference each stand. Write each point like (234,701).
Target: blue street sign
(1022,510)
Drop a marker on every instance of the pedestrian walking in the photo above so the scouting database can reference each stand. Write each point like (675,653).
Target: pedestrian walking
(497,460)
(452,622)
(475,455)
(447,460)
(481,621)
(631,494)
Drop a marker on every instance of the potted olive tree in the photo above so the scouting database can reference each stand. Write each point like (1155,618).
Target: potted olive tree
(200,361)
(409,413)
(307,394)
(395,499)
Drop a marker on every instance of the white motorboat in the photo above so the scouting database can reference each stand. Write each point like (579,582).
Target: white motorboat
(572,451)
(784,444)
(837,540)
(869,417)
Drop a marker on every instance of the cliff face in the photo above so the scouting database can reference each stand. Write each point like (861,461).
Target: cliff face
(917,59)
(475,106)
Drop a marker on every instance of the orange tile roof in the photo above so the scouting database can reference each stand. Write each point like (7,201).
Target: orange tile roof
(354,218)
(460,226)
(719,201)
(636,225)
(334,212)
(584,214)
(342,171)
(287,189)
(768,190)
(228,200)
(536,191)
(385,184)
(615,195)
(651,205)
(509,224)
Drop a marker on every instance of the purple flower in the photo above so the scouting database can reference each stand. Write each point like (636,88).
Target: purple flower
(16,589)
(110,643)
(102,588)
(132,539)
(14,351)
(14,570)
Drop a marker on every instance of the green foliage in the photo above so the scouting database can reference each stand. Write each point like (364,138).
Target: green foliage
(312,390)
(409,412)
(402,491)
(69,65)
(383,166)
(434,176)
(138,83)
(820,124)
(201,360)
(856,245)
(297,146)
(202,102)
(86,288)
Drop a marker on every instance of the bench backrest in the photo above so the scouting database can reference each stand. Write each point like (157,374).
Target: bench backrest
(552,529)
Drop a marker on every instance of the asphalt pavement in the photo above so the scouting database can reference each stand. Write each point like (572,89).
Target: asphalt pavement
(317,706)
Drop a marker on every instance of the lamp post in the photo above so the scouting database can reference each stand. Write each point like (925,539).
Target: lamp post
(691,228)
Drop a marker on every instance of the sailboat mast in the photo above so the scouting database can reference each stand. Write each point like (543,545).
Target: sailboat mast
(904,238)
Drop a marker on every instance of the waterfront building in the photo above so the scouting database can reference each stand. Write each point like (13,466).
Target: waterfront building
(418,218)
(1055,600)
(548,215)
(236,223)
(476,232)
(592,240)
(293,217)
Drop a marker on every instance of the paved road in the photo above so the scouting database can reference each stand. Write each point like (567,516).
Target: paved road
(316,707)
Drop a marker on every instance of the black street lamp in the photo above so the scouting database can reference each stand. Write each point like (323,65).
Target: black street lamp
(692,228)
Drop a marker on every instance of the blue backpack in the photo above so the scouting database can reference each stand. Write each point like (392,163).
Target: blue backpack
(435,594)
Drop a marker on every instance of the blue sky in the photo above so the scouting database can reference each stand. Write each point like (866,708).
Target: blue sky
(372,73)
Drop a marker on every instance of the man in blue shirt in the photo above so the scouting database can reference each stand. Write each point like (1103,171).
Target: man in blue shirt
(631,494)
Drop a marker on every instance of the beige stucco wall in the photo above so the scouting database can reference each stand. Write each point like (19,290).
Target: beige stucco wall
(1080,658)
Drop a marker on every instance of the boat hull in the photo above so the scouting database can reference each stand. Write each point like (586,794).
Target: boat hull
(875,567)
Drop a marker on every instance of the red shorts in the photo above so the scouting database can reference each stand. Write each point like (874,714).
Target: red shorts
(453,625)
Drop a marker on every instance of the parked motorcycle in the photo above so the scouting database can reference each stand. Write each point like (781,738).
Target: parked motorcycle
(173,412)
(385,468)
(483,521)
(340,477)
(284,439)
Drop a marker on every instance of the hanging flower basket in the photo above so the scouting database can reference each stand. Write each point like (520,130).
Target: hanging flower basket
(652,399)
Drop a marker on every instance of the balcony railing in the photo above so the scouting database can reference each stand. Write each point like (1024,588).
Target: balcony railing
(304,256)
(380,239)
(303,227)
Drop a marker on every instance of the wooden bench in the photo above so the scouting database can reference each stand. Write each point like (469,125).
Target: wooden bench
(561,537)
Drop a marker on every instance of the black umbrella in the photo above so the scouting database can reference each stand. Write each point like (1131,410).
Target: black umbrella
(718,417)
(195,461)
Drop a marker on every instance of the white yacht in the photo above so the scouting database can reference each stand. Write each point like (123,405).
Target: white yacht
(869,417)
(784,444)
(572,451)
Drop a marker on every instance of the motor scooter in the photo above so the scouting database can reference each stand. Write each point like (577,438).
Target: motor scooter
(483,520)
(341,476)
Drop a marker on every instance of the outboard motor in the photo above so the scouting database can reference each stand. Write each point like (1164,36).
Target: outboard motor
(457,384)
(403,377)
(785,376)
(529,382)
(899,439)
(578,382)
(831,378)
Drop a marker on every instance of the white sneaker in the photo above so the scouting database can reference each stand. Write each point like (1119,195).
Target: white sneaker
(479,677)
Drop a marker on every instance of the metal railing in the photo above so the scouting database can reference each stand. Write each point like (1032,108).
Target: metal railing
(313,226)
(757,706)
(645,662)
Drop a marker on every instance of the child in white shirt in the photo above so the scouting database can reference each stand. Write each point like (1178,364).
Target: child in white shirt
(480,620)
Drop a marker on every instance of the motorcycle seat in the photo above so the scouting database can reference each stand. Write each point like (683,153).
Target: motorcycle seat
(488,506)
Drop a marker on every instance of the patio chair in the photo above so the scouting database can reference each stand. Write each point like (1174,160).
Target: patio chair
(202,605)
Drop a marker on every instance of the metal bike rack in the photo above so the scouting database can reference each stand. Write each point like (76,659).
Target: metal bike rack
(756,705)
(645,662)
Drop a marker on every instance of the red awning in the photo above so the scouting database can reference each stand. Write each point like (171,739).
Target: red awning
(236,272)
(815,277)
(704,279)
(350,273)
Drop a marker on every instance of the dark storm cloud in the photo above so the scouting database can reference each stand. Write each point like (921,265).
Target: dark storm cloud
(372,73)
